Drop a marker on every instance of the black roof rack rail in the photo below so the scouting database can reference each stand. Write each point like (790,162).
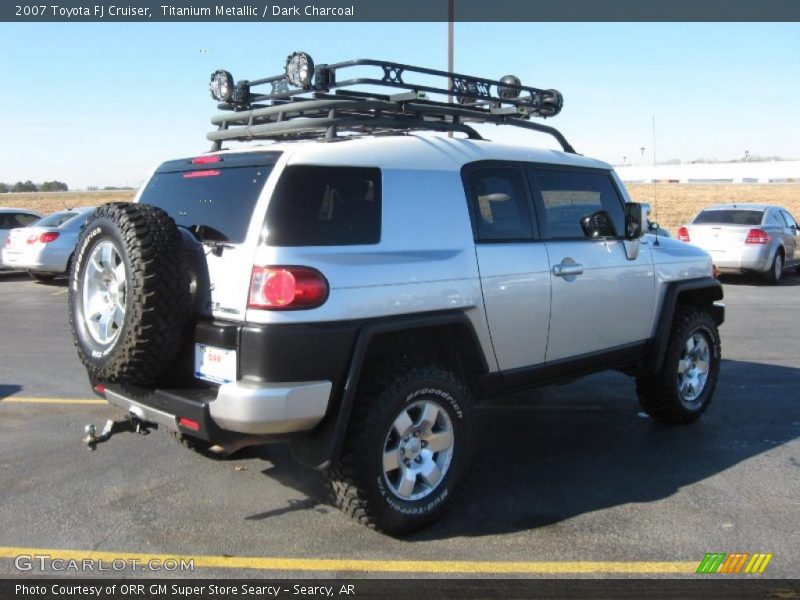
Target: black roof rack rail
(313,102)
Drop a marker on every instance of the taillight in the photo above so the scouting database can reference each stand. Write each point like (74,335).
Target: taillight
(45,238)
(683,234)
(757,236)
(285,288)
(48,236)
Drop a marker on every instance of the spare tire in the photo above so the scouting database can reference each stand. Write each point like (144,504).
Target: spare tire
(129,294)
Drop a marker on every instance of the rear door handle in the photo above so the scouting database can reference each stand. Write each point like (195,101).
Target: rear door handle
(563,270)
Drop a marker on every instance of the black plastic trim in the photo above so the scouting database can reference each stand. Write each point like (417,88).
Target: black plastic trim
(318,448)
(658,346)
(562,370)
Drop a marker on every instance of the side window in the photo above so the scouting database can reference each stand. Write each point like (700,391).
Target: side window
(569,196)
(325,206)
(499,204)
(775,218)
(790,222)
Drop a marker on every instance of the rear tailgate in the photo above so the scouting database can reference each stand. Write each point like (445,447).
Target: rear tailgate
(214,197)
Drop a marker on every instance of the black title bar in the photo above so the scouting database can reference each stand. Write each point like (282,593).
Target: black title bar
(177,11)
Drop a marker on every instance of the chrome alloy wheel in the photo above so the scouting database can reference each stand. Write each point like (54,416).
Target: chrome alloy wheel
(418,450)
(693,367)
(104,293)
(778,267)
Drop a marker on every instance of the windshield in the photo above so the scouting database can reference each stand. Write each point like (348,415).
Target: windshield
(213,200)
(730,217)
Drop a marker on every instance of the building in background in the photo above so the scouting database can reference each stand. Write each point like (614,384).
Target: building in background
(779,171)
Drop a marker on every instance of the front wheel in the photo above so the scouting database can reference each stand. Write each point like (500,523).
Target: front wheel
(682,390)
(407,449)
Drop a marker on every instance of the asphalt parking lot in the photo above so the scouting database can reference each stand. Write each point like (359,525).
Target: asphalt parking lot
(570,481)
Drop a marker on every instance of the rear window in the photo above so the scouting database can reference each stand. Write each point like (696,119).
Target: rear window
(56,219)
(325,206)
(14,220)
(730,217)
(214,200)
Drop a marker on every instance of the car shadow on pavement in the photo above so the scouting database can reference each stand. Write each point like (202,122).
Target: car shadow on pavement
(789,279)
(8,389)
(548,458)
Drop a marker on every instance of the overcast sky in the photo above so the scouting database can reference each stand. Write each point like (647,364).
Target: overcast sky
(102,103)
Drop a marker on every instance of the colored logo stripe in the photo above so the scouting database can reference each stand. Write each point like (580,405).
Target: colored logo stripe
(720,562)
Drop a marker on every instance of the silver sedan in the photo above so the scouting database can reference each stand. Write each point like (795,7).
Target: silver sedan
(45,248)
(746,237)
(11,218)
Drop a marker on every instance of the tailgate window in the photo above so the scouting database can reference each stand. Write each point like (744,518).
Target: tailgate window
(325,206)
(730,217)
(214,200)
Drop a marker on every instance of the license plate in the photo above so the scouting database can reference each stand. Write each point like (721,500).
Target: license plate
(214,364)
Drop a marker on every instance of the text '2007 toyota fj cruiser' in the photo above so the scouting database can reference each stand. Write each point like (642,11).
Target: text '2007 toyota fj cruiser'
(357,285)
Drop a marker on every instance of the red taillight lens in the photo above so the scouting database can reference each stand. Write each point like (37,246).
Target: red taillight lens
(683,234)
(282,288)
(48,236)
(205,160)
(757,236)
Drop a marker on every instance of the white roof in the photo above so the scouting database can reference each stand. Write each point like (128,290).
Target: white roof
(414,152)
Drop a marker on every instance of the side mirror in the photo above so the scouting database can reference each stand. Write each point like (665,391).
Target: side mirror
(634,221)
(598,225)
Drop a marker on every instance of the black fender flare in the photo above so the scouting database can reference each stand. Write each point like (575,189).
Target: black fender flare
(320,447)
(706,288)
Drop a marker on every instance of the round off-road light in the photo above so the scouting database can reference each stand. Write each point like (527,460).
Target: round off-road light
(221,86)
(510,88)
(299,70)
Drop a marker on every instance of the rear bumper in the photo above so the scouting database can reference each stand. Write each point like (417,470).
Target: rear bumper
(748,258)
(285,384)
(46,260)
(236,408)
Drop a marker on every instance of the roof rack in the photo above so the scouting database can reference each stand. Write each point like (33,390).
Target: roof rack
(313,102)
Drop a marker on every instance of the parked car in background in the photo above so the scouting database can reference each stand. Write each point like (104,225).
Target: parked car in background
(12,218)
(761,238)
(45,248)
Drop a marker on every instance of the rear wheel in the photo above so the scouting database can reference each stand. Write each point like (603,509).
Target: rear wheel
(773,276)
(407,449)
(683,388)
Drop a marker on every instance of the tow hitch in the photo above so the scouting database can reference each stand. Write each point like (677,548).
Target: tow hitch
(131,423)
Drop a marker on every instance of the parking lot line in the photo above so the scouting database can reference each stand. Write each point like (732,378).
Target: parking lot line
(20,400)
(362,566)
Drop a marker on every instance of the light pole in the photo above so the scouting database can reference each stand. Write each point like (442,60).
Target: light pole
(450,32)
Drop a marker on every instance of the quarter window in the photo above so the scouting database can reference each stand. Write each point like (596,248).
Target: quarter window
(569,196)
(499,204)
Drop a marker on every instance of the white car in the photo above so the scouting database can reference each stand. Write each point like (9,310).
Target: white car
(45,248)
(12,218)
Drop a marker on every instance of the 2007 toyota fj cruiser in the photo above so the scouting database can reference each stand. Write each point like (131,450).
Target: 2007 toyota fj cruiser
(356,288)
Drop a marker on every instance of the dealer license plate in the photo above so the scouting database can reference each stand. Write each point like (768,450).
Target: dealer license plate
(214,364)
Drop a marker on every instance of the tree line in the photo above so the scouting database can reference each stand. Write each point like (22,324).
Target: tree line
(29,186)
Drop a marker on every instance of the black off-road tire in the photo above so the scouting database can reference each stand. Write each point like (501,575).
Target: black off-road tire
(157,297)
(42,277)
(197,445)
(357,480)
(774,276)
(659,394)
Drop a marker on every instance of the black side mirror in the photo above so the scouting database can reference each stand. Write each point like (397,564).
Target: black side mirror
(634,221)
(598,225)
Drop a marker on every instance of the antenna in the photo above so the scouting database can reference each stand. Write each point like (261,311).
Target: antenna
(655,184)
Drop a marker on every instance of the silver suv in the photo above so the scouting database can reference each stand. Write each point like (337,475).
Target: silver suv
(357,286)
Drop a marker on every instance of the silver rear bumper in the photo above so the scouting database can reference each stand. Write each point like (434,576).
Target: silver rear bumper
(253,408)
